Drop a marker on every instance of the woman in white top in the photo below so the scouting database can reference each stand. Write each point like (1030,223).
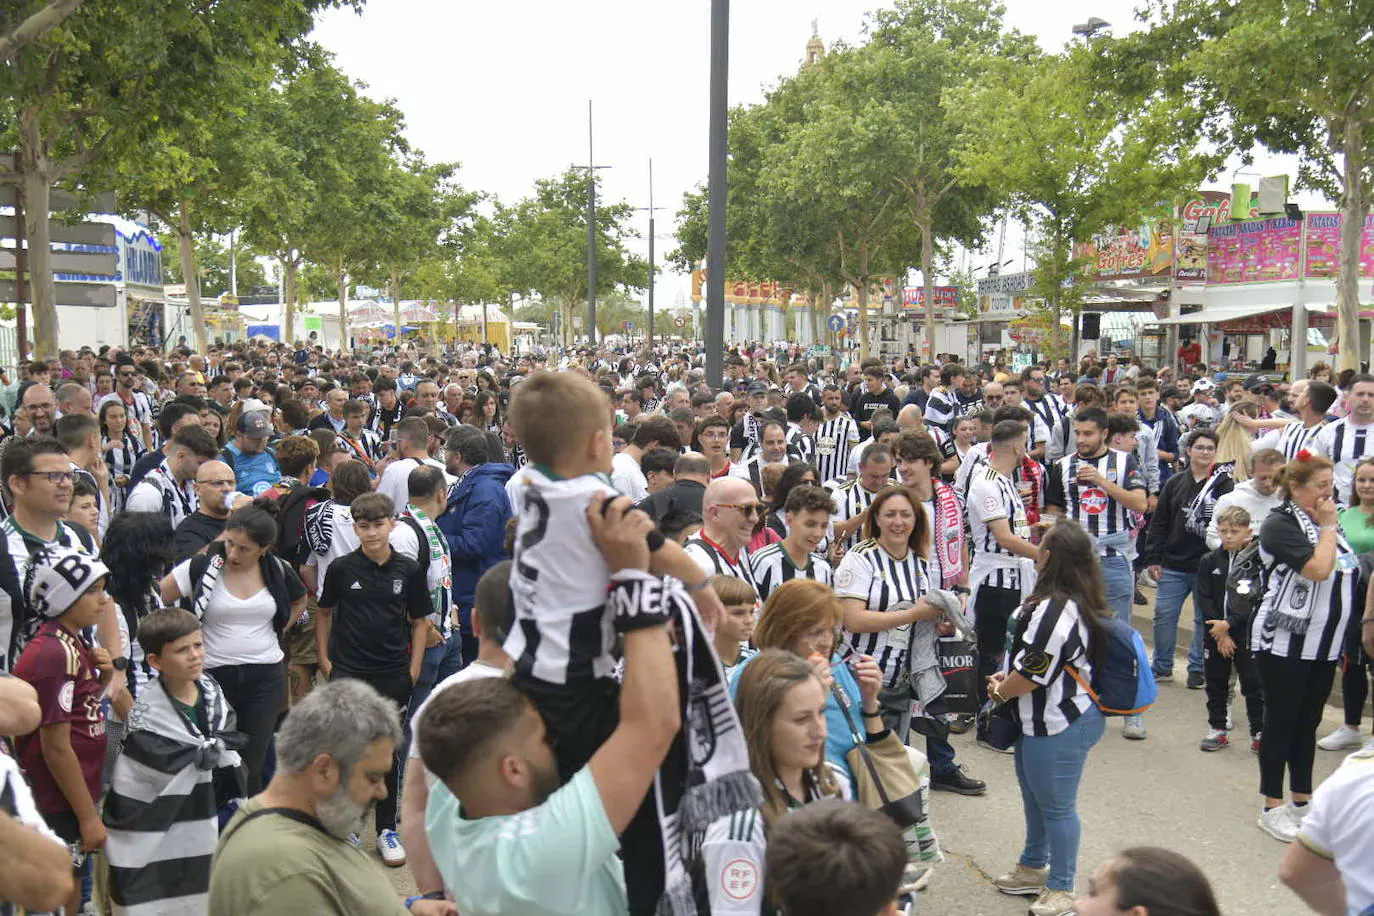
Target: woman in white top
(1056,630)
(782,705)
(245,597)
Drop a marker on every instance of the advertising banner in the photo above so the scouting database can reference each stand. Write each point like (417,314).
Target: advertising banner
(946,298)
(1259,251)
(1190,249)
(1000,294)
(1141,252)
(1323,261)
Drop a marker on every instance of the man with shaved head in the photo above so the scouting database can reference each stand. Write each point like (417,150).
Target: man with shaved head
(217,492)
(729,511)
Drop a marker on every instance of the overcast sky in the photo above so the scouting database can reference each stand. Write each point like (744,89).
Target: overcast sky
(502,88)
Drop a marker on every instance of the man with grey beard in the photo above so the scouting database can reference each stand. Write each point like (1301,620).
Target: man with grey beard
(292,848)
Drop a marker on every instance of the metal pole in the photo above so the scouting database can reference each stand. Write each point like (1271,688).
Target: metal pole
(650,333)
(233,263)
(716,188)
(21,321)
(591,232)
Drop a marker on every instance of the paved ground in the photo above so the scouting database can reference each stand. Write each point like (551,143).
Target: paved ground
(1162,791)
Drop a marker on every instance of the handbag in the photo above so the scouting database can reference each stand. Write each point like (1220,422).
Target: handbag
(997,725)
(884,779)
(959,668)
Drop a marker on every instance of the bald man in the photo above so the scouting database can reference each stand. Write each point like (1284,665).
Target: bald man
(729,511)
(217,493)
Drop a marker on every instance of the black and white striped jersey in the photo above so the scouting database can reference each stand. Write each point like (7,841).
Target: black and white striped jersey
(942,407)
(1289,439)
(1105,519)
(1053,637)
(715,560)
(745,435)
(851,499)
(992,496)
(367,447)
(18,621)
(159,491)
(1047,411)
(751,469)
(835,438)
(772,566)
(800,446)
(1346,444)
(1300,618)
(559,582)
(870,573)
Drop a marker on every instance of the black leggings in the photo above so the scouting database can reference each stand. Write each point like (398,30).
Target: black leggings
(257,694)
(993,608)
(1355,675)
(1294,692)
(396,688)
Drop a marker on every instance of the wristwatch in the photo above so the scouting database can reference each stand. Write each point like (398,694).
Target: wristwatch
(120,664)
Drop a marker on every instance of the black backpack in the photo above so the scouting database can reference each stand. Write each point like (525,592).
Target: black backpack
(291,509)
(422,545)
(1246,582)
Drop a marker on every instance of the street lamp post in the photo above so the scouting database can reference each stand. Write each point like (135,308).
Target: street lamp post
(649,336)
(716,190)
(591,168)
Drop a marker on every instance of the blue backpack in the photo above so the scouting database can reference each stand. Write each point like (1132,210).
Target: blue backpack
(1123,684)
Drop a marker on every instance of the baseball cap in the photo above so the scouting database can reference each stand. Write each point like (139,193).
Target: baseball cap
(758,388)
(254,424)
(1202,384)
(58,576)
(254,404)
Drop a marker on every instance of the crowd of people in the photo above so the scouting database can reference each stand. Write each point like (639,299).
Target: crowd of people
(577,632)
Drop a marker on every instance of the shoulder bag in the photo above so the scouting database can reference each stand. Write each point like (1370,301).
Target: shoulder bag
(884,779)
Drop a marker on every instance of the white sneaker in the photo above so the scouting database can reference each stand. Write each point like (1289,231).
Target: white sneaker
(390,849)
(1344,738)
(1279,824)
(1134,728)
(1298,813)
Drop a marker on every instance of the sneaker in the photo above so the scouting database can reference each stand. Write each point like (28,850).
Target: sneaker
(1052,903)
(958,781)
(1255,742)
(355,841)
(1279,824)
(996,750)
(1140,598)
(1216,740)
(1196,681)
(389,847)
(1134,728)
(1342,739)
(1162,677)
(1147,580)
(1298,812)
(1023,881)
(915,878)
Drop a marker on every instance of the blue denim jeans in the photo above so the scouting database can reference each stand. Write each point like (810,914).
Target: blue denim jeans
(1119,581)
(1049,770)
(1174,588)
(440,662)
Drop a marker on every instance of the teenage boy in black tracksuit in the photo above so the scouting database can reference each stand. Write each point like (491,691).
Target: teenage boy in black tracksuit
(1228,632)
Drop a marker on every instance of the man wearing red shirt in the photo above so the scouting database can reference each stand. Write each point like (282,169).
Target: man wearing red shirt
(1189,353)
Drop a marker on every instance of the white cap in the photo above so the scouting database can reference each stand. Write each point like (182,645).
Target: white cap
(58,576)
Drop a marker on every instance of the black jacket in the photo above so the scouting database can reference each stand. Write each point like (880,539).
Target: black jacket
(1168,542)
(683,495)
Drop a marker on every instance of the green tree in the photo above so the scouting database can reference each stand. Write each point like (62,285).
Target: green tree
(98,86)
(1292,76)
(544,240)
(1051,139)
(212,263)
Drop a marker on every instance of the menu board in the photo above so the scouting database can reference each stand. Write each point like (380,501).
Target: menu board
(1324,246)
(1257,251)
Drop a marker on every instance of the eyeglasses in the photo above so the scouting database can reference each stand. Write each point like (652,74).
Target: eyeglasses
(53,477)
(746,509)
(224,483)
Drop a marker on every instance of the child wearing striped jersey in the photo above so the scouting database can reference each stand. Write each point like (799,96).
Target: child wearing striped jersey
(807,514)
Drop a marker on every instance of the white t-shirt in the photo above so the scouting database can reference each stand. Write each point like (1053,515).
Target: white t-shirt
(236,631)
(395,480)
(475,671)
(628,478)
(1339,825)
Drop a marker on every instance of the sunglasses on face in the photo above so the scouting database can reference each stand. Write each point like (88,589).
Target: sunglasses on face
(749,510)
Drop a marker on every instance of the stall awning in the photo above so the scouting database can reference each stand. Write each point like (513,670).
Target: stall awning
(1222,313)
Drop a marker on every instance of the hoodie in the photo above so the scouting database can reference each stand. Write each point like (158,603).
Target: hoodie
(1245,496)
(475,524)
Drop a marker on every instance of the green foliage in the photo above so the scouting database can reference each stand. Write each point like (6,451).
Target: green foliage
(212,263)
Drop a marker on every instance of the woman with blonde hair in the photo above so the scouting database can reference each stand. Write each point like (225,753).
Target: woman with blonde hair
(1235,440)
(781,702)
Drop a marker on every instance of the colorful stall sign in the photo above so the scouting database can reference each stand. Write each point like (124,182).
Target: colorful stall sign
(946,298)
(1259,251)
(1141,252)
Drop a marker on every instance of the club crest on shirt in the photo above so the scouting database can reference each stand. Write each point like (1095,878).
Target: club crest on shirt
(1035,662)
(844,577)
(990,504)
(1094,500)
(1299,598)
(397,585)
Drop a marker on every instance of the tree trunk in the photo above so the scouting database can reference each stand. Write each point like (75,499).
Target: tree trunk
(34,169)
(863,301)
(1354,207)
(189,275)
(925,224)
(289,268)
(341,278)
(816,324)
